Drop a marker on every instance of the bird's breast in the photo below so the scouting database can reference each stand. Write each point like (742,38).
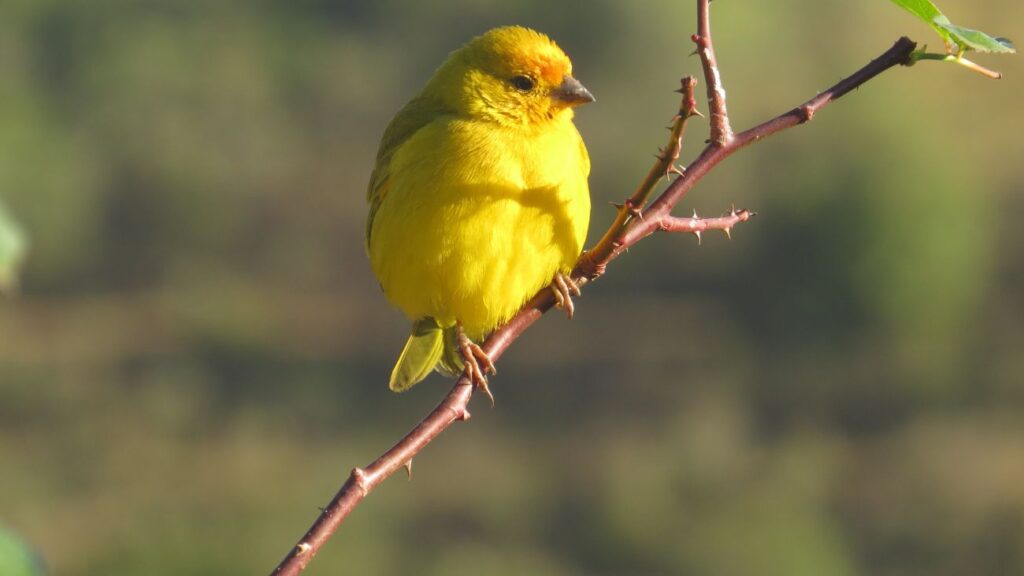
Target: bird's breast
(476,221)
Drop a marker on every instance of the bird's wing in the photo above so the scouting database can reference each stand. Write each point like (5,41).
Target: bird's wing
(419,112)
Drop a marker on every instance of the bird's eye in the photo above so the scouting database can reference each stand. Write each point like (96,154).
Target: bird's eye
(524,83)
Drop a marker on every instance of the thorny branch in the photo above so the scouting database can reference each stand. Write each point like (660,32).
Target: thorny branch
(721,132)
(697,225)
(665,166)
(632,223)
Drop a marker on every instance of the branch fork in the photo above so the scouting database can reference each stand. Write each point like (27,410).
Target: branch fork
(632,209)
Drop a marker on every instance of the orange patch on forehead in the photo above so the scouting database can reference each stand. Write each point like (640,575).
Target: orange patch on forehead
(553,67)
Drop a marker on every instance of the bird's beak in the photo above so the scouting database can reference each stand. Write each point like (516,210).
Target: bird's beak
(572,92)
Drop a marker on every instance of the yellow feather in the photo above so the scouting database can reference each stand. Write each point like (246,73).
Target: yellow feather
(480,194)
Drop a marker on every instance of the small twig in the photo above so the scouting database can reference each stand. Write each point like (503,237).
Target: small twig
(959,59)
(696,225)
(721,131)
(633,206)
(656,217)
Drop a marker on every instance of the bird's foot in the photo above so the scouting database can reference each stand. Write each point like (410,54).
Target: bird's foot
(478,363)
(564,288)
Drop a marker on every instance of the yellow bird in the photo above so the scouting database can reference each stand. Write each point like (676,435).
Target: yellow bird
(479,198)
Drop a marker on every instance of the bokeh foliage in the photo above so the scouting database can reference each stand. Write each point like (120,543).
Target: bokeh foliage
(199,352)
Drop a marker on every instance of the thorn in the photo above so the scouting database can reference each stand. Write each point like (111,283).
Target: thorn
(633,209)
(676,169)
(697,234)
(463,415)
(732,211)
(696,112)
(628,205)
(695,217)
(408,468)
(359,479)
(302,548)
(728,233)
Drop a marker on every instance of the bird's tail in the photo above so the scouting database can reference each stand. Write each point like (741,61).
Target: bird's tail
(424,351)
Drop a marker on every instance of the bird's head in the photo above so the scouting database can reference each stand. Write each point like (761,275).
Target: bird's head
(511,75)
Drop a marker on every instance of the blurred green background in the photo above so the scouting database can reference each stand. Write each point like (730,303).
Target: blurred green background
(198,353)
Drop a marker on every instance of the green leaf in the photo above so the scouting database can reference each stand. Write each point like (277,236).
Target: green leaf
(12,251)
(928,13)
(964,38)
(923,9)
(15,557)
(970,39)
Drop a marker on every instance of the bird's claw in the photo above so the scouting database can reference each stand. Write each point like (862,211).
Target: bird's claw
(478,363)
(564,288)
